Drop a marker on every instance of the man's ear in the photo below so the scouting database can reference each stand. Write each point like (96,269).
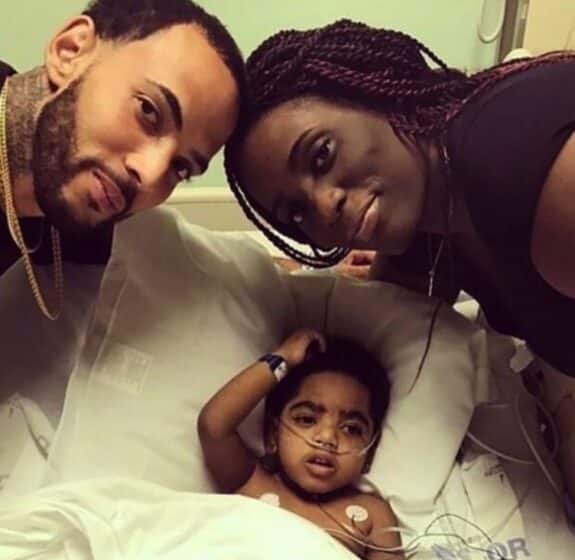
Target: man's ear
(71,51)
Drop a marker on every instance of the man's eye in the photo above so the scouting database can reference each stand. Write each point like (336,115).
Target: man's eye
(321,158)
(149,113)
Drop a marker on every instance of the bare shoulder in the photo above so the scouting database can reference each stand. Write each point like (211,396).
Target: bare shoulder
(379,509)
(382,519)
(553,236)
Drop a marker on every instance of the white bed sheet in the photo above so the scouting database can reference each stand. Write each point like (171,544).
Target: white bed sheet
(114,519)
(513,504)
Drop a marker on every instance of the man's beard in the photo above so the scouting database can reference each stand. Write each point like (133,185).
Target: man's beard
(54,163)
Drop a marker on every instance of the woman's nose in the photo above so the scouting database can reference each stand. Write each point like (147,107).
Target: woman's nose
(329,201)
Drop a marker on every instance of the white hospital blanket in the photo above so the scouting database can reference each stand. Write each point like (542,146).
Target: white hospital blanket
(118,519)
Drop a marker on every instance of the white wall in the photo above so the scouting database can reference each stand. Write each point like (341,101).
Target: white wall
(550,25)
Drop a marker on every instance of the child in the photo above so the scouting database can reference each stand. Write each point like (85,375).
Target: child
(324,409)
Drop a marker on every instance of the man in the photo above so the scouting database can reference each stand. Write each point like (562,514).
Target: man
(134,96)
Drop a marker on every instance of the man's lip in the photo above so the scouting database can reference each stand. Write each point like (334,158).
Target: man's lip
(357,226)
(113,193)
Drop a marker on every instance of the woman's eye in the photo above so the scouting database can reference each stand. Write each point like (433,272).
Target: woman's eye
(321,158)
(149,113)
(182,169)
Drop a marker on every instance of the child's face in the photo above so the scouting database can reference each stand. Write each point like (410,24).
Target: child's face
(332,409)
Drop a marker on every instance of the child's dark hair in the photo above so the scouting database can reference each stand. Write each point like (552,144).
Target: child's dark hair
(132,20)
(342,355)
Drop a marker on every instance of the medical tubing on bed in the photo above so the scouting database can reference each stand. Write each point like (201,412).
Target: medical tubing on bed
(504,521)
(414,544)
(559,490)
(537,460)
(28,409)
(562,494)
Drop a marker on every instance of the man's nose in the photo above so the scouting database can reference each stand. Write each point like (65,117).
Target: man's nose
(150,167)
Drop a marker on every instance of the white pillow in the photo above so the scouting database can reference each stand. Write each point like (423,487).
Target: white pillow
(181,310)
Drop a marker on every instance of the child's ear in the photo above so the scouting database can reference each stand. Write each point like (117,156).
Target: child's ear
(270,444)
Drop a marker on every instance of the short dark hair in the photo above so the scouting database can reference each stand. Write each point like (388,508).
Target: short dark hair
(132,20)
(342,355)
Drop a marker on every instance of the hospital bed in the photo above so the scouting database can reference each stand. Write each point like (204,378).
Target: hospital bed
(99,456)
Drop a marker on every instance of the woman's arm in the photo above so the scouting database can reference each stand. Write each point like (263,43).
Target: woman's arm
(228,459)
(553,238)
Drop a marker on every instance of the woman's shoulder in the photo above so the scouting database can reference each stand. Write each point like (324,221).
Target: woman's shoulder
(503,143)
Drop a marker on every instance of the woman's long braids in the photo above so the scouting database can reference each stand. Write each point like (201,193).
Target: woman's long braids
(350,62)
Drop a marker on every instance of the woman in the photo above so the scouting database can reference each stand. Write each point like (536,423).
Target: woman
(355,141)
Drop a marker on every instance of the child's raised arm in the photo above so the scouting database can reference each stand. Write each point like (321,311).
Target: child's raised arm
(228,459)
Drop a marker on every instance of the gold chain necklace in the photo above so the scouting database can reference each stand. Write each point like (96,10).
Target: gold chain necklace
(7,198)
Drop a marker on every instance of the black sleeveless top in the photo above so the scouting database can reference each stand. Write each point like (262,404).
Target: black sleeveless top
(502,146)
(89,249)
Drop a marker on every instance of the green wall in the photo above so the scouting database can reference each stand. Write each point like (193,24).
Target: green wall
(448,26)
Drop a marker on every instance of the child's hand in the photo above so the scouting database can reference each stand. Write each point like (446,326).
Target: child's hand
(295,348)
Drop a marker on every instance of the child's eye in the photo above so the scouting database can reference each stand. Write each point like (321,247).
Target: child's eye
(353,430)
(304,420)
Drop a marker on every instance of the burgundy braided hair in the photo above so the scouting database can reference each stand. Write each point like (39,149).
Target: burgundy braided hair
(350,62)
